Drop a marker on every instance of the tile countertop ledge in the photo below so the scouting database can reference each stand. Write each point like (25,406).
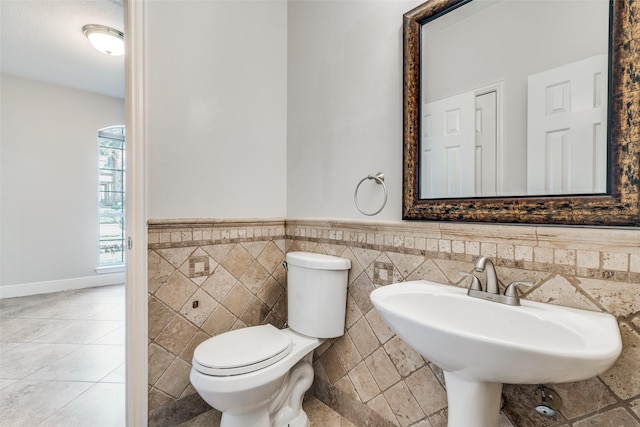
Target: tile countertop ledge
(212,222)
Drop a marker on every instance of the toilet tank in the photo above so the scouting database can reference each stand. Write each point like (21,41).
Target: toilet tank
(317,293)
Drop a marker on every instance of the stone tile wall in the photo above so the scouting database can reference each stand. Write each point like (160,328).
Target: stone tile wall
(206,278)
(369,375)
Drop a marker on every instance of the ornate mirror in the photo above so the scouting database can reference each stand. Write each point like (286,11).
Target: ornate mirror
(522,112)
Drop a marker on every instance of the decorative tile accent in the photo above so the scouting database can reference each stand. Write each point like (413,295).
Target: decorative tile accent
(198,266)
(382,273)
(615,261)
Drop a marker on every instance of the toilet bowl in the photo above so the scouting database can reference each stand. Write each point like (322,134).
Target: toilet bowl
(257,376)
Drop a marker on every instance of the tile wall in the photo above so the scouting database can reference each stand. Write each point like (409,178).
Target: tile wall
(206,278)
(233,269)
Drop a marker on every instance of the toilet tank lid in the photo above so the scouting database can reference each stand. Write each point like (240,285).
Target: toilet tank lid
(318,261)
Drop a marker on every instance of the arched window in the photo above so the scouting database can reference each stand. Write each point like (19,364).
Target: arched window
(111,191)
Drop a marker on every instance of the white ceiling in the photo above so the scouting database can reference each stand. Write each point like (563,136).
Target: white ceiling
(43,40)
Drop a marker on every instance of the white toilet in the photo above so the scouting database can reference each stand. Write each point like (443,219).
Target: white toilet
(257,376)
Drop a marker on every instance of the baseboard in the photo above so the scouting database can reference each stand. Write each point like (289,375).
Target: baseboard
(24,289)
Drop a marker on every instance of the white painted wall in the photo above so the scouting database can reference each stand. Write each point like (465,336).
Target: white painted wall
(344,106)
(49,222)
(216,79)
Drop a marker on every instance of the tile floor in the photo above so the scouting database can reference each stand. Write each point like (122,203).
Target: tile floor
(62,359)
(62,363)
(320,415)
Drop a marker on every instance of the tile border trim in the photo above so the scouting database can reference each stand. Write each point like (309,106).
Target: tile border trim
(608,254)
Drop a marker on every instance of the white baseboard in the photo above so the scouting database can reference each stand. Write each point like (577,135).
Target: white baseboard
(10,291)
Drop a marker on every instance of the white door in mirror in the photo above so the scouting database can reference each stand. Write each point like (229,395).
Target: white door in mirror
(566,131)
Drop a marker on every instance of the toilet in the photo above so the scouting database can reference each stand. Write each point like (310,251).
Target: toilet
(257,376)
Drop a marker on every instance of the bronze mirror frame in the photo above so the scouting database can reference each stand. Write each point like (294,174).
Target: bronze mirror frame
(620,206)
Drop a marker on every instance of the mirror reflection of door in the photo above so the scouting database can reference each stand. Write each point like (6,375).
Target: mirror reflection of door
(566,141)
(483,41)
(486,166)
(448,146)
(459,146)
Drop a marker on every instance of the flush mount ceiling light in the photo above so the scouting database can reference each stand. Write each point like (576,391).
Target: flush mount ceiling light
(105,39)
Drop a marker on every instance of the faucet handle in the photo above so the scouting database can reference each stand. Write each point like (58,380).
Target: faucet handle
(512,288)
(475,282)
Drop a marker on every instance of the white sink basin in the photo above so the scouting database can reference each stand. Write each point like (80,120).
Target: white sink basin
(481,344)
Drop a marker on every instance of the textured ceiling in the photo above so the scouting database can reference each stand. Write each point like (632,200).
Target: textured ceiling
(43,40)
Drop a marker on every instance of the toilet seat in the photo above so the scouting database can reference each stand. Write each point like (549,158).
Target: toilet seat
(242,351)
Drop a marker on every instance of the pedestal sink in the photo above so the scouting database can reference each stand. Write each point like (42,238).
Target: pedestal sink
(482,344)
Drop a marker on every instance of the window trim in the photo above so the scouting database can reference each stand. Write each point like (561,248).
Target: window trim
(104,133)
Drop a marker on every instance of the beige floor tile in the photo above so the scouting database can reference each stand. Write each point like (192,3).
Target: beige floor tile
(115,337)
(13,307)
(27,358)
(28,403)
(116,376)
(29,330)
(110,312)
(72,383)
(104,294)
(81,331)
(64,309)
(102,405)
(88,363)
(48,337)
(6,383)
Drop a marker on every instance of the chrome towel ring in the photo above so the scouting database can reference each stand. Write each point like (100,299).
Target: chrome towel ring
(379,179)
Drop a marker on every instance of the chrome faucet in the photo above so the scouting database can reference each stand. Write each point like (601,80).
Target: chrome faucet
(492,292)
(492,277)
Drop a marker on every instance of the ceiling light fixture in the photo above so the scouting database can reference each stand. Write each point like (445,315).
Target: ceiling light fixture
(105,39)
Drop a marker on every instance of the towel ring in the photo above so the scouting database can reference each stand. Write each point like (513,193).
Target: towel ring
(379,179)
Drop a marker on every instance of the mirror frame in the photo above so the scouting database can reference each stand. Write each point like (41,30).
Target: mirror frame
(620,206)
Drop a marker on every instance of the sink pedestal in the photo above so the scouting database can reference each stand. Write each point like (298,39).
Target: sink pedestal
(472,403)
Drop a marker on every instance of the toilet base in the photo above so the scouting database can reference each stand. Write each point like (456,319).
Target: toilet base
(250,419)
(260,419)
(300,421)
(285,410)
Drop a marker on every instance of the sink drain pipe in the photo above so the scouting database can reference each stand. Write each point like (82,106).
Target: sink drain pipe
(548,401)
